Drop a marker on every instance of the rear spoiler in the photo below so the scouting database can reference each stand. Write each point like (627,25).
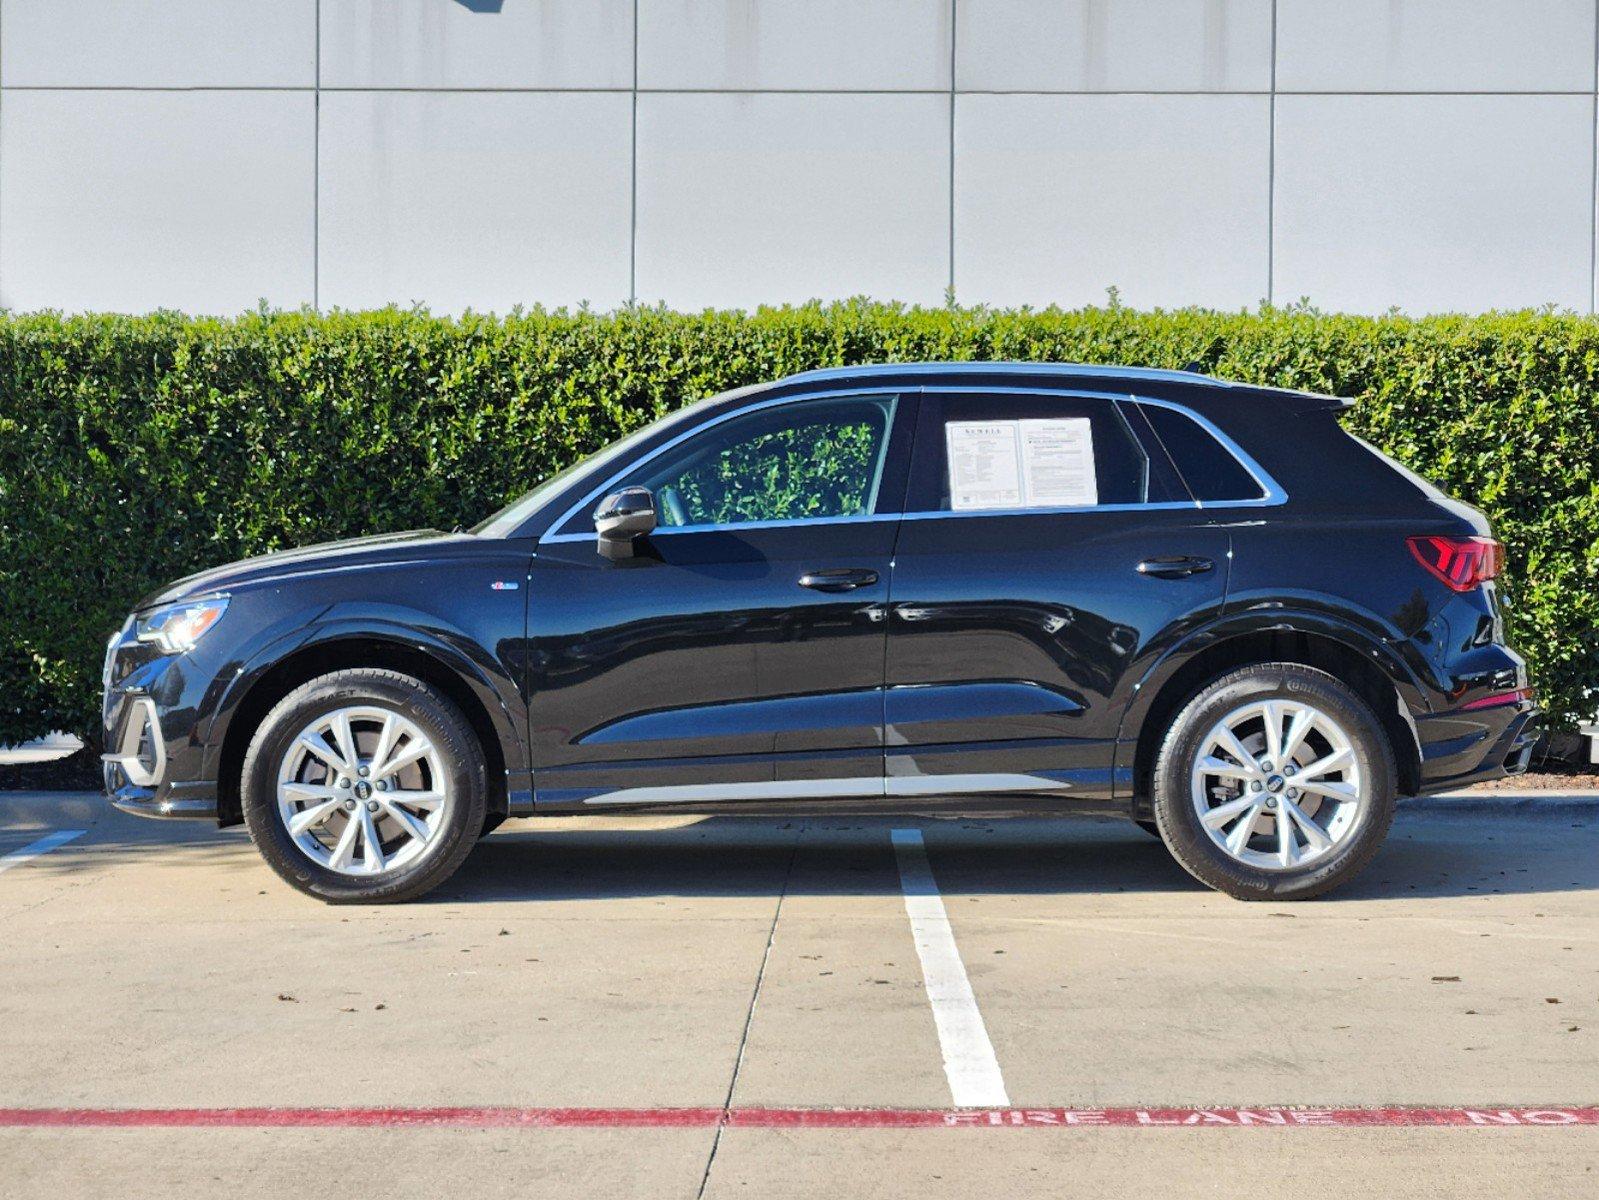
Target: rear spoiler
(1301,403)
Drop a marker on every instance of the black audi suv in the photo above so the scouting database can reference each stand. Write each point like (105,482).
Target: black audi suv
(936,587)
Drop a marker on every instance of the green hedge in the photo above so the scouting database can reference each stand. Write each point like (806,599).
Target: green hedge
(136,449)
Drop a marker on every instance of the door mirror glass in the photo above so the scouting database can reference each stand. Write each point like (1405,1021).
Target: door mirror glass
(621,517)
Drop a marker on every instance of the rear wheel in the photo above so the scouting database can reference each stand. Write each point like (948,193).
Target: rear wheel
(364,787)
(1275,782)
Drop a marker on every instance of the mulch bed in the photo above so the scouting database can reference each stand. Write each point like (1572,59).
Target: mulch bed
(78,772)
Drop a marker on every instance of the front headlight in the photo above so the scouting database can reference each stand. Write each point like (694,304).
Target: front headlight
(111,654)
(175,628)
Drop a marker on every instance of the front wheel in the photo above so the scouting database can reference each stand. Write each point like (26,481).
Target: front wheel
(364,787)
(1275,782)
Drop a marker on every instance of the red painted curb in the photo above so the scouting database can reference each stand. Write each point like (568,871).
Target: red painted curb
(798,1118)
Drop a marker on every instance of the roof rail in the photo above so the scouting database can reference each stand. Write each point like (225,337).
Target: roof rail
(1062,370)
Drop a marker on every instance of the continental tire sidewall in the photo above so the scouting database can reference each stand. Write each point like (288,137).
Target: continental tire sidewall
(460,756)
(1179,823)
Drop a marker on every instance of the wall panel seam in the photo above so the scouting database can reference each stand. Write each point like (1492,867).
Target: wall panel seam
(316,163)
(1271,168)
(954,26)
(2,124)
(1593,175)
(632,212)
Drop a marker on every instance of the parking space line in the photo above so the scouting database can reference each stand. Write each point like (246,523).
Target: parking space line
(507,1117)
(969,1062)
(44,845)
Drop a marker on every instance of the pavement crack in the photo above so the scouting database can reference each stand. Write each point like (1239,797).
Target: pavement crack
(749,1016)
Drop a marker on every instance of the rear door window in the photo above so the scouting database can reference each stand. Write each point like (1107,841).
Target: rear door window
(1006,452)
(1210,470)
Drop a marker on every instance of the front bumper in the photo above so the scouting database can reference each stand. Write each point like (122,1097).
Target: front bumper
(154,764)
(186,801)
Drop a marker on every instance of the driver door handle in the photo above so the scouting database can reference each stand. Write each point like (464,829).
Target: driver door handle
(1174,567)
(838,579)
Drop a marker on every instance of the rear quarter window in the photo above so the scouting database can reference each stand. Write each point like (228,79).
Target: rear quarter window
(1208,468)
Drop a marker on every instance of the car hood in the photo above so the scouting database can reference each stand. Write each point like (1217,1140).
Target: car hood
(264,568)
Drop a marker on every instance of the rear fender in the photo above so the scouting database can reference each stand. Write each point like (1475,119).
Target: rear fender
(1360,637)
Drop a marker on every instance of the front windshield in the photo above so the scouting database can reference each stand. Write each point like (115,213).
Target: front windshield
(511,518)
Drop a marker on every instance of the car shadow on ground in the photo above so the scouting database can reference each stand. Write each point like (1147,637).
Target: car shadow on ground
(734,856)
(1429,854)
(1426,856)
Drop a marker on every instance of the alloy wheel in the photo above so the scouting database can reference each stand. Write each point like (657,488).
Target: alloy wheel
(362,791)
(1277,784)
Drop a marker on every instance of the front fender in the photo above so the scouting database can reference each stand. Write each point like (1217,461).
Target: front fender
(488,679)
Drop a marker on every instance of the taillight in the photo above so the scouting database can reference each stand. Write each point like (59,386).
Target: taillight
(1461,562)
(1498,699)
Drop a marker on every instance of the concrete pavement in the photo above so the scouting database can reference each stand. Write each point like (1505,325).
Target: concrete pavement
(642,964)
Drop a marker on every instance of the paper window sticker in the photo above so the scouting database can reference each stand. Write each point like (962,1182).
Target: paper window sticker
(984,464)
(1057,458)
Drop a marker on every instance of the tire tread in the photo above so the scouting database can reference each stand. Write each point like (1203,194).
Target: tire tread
(1235,879)
(461,750)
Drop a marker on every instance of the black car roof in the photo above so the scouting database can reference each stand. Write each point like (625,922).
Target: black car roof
(1157,380)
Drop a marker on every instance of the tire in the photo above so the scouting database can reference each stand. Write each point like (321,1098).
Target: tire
(369,840)
(1149,827)
(1350,804)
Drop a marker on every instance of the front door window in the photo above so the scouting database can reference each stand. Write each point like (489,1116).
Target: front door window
(809,460)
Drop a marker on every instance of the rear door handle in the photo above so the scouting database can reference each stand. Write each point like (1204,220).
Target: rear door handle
(1178,566)
(838,579)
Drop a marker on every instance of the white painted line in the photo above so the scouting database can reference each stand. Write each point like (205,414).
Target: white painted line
(43,846)
(1522,794)
(969,1062)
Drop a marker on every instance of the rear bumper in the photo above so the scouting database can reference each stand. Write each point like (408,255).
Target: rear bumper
(1464,747)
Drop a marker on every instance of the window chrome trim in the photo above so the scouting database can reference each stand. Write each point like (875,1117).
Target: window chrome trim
(1273,496)
(551,537)
(1149,506)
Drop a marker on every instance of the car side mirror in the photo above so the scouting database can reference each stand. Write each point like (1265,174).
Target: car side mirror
(621,517)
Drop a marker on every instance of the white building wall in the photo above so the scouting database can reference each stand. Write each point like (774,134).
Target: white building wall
(207,155)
